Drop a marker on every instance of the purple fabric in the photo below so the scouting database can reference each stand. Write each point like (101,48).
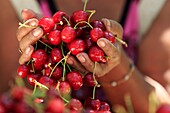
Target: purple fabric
(131,30)
(45,8)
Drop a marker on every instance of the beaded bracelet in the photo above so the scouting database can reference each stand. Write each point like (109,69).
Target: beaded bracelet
(125,78)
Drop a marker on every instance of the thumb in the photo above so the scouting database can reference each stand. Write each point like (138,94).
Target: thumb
(28,14)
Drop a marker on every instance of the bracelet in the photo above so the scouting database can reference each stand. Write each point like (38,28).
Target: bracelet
(125,78)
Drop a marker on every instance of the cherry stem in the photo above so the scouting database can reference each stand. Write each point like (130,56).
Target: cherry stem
(75,27)
(96,83)
(85,5)
(35,88)
(32,66)
(24,24)
(57,88)
(56,66)
(45,44)
(91,14)
(121,41)
(40,85)
(68,23)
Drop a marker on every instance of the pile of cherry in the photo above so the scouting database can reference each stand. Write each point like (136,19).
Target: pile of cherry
(47,69)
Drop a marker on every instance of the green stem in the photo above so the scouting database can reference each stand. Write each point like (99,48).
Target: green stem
(83,22)
(57,88)
(45,44)
(91,14)
(68,23)
(96,83)
(85,5)
(21,25)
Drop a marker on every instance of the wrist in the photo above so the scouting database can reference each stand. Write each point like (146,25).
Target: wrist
(119,74)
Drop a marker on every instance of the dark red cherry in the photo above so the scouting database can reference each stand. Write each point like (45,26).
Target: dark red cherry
(54,37)
(47,24)
(59,16)
(34,76)
(75,79)
(77,46)
(96,33)
(79,16)
(89,80)
(99,24)
(104,106)
(68,34)
(96,54)
(56,74)
(48,82)
(23,70)
(88,41)
(93,104)
(109,36)
(56,54)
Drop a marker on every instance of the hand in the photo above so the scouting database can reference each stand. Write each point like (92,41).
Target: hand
(27,36)
(112,51)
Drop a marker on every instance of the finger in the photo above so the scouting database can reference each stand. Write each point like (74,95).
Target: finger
(31,38)
(26,55)
(28,14)
(114,27)
(85,61)
(23,30)
(109,49)
(76,64)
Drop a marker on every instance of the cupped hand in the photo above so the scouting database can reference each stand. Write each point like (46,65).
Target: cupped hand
(113,52)
(28,35)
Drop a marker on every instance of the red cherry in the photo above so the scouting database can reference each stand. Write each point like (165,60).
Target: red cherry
(47,24)
(75,105)
(57,73)
(77,46)
(2,109)
(39,57)
(64,88)
(23,70)
(163,109)
(54,37)
(88,41)
(75,80)
(104,106)
(99,24)
(109,36)
(55,105)
(96,33)
(68,34)
(34,76)
(56,54)
(58,17)
(79,16)
(96,54)
(93,104)
(46,81)
(89,80)
(49,62)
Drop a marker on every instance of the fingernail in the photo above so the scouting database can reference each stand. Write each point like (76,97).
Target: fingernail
(81,58)
(33,23)
(37,31)
(27,50)
(69,61)
(101,43)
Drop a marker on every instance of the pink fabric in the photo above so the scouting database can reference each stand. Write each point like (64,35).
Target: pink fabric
(131,29)
(45,8)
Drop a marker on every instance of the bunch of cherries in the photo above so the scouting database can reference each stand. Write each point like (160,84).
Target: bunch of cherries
(47,69)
